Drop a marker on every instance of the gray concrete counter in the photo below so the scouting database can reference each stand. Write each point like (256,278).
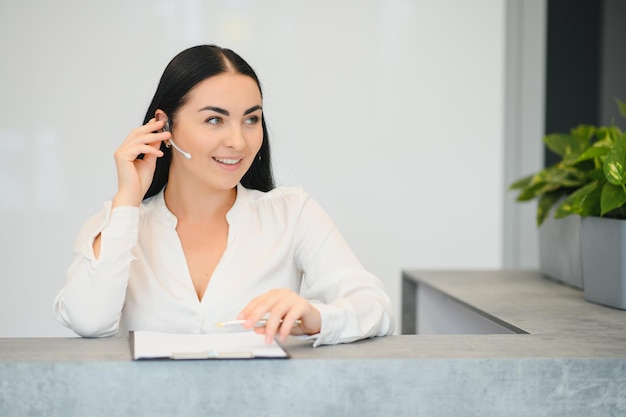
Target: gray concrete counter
(554,370)
(555,319)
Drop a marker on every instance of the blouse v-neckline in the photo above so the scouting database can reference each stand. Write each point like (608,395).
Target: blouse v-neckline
(171,222)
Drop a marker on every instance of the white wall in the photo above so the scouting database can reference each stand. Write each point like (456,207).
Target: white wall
(390,113)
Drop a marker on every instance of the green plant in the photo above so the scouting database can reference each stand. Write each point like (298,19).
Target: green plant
(590,178)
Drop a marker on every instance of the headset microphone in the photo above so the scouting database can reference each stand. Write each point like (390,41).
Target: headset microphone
(183,153)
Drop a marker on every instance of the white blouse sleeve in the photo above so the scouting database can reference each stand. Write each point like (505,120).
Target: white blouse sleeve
(352,301)
(93,297)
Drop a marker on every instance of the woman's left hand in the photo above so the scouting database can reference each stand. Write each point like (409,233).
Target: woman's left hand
(281,307)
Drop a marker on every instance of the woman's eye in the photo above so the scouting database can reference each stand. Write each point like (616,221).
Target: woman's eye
(214,120)
(252,120)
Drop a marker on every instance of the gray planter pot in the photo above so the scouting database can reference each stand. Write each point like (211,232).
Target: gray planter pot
(603,243)
(559,250)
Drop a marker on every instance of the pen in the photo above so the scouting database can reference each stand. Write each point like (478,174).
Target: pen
(259,323)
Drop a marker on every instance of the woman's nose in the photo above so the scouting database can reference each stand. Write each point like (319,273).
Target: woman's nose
(235,138)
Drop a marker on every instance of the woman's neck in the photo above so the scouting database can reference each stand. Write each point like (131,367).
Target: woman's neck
(189,204)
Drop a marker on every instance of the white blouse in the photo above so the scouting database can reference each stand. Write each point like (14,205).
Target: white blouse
(278,239)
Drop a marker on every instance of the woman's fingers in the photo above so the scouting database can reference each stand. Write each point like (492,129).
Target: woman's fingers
(134,174)
(281,308)
(258,307)
(277,320)
(148,135)
(282,327)
(130,153)
(153,126)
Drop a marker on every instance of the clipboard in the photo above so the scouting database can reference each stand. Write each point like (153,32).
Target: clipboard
(179,346)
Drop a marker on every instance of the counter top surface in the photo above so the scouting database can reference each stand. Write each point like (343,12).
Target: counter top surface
(525,299)
(572,362)
(558,321)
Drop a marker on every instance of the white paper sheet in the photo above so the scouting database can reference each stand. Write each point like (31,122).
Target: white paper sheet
(240,345)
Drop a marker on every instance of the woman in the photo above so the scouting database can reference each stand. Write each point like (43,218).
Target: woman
(197,232)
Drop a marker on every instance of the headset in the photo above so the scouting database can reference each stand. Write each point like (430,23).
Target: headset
(167,128)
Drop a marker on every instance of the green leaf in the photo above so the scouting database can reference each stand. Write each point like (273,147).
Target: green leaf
(570,146)
(561,175)
(584,202)
(594,151)
(615,133)
(606,135)
(604,138)
(613,196)
(536,190)
(544,206)
(548,180)
(615,162)
(521,183)
(597,174)
(561,143)
(583,133)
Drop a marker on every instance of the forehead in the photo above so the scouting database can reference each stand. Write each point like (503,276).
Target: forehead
(227,89)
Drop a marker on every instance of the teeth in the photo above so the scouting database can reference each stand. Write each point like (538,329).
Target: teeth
(227,161)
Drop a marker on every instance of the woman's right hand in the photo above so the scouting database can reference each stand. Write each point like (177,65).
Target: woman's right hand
(134,176)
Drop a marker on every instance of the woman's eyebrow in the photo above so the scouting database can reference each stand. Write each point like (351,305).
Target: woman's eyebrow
(226,112)
(215,109)
(252,109)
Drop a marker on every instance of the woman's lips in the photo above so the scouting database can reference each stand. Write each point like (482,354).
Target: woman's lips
(229,164)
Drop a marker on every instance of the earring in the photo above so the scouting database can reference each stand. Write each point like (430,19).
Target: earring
(168,145)
(258,157)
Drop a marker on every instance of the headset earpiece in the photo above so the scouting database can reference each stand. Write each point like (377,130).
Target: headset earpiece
(167,128)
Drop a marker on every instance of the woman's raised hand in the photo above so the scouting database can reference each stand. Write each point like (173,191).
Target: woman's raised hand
(134,176)
(281,307)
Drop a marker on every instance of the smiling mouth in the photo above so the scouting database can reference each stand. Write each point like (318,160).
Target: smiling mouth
(226,161)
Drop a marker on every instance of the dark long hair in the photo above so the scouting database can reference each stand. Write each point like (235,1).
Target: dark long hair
(184,72)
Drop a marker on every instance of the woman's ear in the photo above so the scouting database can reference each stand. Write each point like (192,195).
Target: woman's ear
(161,115)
